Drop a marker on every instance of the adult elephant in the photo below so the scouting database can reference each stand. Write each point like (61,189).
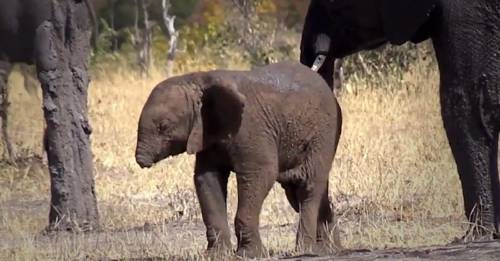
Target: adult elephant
(55,36)
(466,39)
(19,20)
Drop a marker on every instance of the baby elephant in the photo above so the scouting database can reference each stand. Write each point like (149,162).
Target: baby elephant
(277,123)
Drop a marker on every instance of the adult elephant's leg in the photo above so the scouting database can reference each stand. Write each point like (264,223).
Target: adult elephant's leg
(328,235)
(253,187)
(475,153)
(495,180)
(211,189)
(5,68)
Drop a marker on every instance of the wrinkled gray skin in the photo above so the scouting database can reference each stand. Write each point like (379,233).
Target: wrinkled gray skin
(466,39)
(277,123)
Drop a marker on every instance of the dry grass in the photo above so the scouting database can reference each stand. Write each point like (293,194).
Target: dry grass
(393,181)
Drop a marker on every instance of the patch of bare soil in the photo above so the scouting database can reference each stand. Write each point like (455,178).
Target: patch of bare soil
(487,250)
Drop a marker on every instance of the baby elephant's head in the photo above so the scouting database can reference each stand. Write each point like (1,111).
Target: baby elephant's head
(188,113)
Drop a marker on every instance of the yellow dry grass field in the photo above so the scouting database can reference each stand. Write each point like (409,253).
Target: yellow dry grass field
(393,182)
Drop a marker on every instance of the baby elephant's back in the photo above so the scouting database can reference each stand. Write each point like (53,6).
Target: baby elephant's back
(310,111)
(293,77)
(304,92)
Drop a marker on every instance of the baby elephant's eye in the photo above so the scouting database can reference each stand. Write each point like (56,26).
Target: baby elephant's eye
(162,128)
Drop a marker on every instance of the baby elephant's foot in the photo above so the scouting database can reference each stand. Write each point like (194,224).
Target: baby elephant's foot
(220,247)
(221,252)
(328,244)
(326,248)
(219,244)
(306,246)
(252,251)
(318,248)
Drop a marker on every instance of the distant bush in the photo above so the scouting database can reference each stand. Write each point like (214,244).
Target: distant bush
(389,63)
(242,34)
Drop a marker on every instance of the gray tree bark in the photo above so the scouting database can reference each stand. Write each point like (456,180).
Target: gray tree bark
(147,36)
(114,40)
(169,21)
(61,53)
(142,38)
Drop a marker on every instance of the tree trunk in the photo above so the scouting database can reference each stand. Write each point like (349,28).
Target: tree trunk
(62,50)
(142,38)
(147,36)
(169,20)
(114,43)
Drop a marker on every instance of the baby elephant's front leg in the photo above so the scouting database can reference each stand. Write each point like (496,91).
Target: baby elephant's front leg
(252,190)
(211,189)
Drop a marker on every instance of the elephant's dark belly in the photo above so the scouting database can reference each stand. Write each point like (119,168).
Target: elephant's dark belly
(19,21)
(22,52)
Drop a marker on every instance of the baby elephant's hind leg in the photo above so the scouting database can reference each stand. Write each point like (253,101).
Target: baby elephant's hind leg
(327,232)
(309,202)
(317,231)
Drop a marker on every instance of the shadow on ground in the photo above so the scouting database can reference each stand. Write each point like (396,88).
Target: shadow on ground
(489,250)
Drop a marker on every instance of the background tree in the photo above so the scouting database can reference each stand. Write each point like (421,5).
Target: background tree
(142,36)
(169,22)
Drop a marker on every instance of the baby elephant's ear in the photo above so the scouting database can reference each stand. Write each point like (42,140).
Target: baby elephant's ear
(221,112)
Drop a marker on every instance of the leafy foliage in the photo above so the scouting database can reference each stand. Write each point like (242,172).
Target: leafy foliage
(222,33)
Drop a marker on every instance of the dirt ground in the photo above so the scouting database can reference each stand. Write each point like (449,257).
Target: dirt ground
(169,237)
(489,250)
(184,239)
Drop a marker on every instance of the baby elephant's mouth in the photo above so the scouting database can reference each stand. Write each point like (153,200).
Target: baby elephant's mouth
(149,161)
(171,149)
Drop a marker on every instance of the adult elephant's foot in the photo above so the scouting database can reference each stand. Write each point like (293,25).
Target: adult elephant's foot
(475,149)
(477,234)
